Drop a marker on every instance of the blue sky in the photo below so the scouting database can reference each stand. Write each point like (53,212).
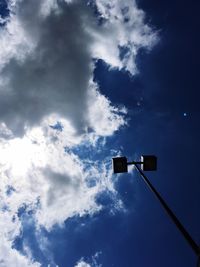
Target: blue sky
(81,83)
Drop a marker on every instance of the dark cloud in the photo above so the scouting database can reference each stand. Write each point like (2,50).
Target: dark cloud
(54,77)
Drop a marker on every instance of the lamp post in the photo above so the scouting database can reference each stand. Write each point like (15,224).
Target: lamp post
(149,163)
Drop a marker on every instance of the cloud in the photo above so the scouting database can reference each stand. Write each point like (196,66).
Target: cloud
(123,27)
(48,51)
(9,229)
(38,168)
(93,261)
(52,73)
(47,65)
(11,257)
(82,264)
(42,173)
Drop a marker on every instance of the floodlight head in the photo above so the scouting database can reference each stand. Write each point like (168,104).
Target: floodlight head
(149,163)
(120,165)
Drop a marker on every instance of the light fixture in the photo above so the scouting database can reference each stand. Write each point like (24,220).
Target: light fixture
(149,163)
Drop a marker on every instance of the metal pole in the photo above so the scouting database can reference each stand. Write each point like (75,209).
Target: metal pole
(178,224)
(134,162)
(198,262)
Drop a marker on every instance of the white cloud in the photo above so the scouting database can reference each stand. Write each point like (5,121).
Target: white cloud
(82,264)
(104,118)
(123,26)
(93,261)
(11,257)
(37,167)
(47,58)
(50,181)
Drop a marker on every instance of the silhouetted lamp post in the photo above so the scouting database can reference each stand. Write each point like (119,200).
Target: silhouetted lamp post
(149,163)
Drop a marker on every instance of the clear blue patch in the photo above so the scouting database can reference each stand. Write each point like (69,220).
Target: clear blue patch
(58,126)
(125,10)
(126,190)
(22,210)
(14,218)
(123,51)
(28,237)
(100,20)
(104,199)
(91,182)
(84,236)
(88,151)
(4,11)
(5,208)
(10,189)
(26,210)
(126,19)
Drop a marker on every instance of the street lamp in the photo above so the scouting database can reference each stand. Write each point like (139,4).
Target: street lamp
(149,163)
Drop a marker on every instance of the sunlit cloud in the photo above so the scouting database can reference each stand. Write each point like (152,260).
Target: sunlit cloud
(51,108)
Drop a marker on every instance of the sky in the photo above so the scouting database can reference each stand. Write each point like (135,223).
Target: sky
(82,82)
